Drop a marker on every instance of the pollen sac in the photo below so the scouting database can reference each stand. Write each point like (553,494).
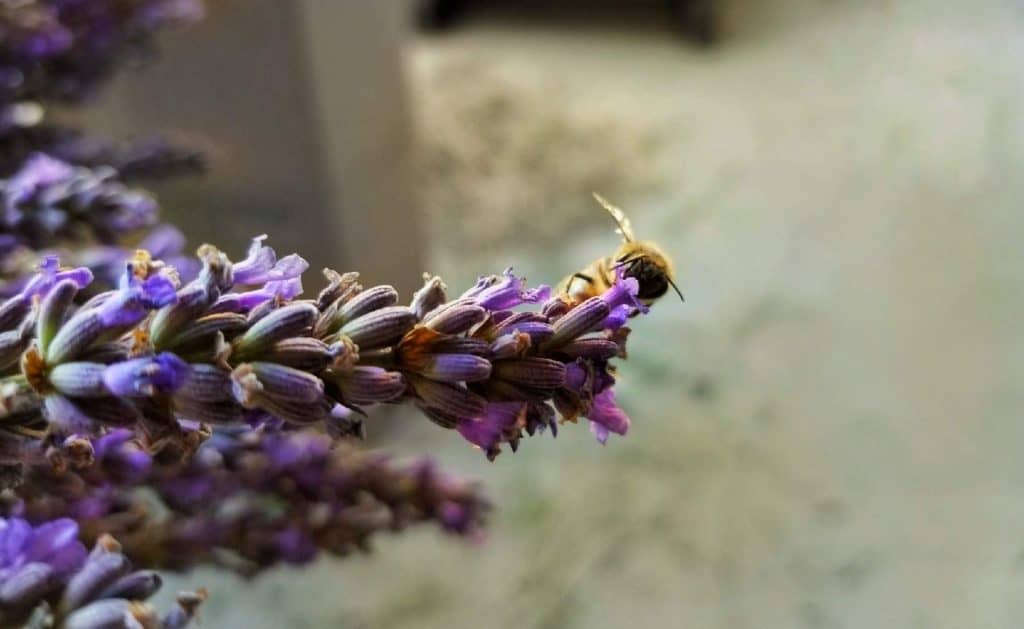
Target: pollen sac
(380,328)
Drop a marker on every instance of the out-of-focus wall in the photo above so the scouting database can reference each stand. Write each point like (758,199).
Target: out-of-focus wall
(302,108)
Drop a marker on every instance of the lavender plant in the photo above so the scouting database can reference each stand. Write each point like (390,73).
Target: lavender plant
(201,409)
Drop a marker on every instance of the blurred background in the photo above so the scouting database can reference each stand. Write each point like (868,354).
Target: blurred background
(826,434)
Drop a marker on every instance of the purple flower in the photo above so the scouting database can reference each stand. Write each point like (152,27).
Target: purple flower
(50,273)
(490,429)
(606,417)
(622,300)
(262,266)
(54,544)
(136,296)
(505,292)
(143,377)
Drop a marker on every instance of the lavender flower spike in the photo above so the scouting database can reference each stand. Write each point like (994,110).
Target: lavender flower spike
(47,575)
(157,357)
(299,496)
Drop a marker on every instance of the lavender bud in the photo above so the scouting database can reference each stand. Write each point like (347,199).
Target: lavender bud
(429,297)
(307,354)
(292,320)
(79,379)
(536,330)
(12,344)
(206,383)
(380,327)
(510,346)
(456,319)
(30,583)
(448,398)
(202,332)
(138,585)
(52,310)
(74,336)
(590,348)
(339,287)
(456,368)
(100,571)
(114,613)
(296,412)
(275,380)
(535,372)
(442,419)
(369,385)
(169,320)
(366,302)
(144,377)
(578,321)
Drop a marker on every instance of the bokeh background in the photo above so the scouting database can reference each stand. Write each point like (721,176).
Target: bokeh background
(828,432)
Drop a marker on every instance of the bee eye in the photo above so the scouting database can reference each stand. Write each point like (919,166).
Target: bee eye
(652,287)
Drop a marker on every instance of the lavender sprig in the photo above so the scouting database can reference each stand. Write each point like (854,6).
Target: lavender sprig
(59,50)
(248,501)
(48,579)
(85,214)
(147,157)
(236,347)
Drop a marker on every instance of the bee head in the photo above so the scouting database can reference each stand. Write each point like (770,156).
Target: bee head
(650,268)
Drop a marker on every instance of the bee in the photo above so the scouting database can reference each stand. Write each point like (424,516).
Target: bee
(638,259)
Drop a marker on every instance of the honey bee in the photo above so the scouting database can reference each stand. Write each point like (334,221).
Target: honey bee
(640,259)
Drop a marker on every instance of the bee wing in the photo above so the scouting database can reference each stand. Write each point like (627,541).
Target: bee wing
(625,227)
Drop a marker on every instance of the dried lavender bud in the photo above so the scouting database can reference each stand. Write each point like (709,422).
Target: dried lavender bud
(379,328)
(366,302)
(426,299)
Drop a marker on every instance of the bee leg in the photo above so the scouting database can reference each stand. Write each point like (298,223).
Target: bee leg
(572,278)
